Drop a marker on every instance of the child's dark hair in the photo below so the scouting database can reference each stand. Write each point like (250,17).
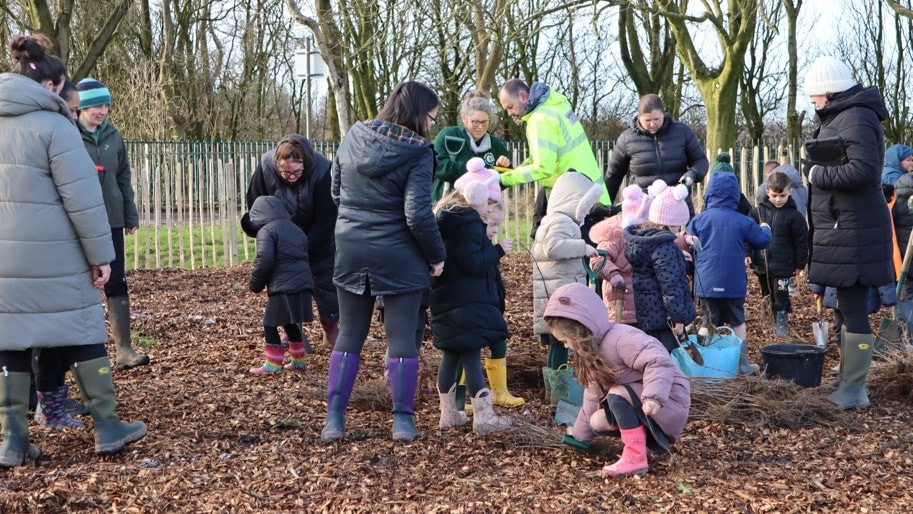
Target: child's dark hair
(68,90)
(31,58)
(778,182)
(408,105)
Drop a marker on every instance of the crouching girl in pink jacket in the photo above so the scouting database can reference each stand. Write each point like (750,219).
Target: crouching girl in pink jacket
(632,387)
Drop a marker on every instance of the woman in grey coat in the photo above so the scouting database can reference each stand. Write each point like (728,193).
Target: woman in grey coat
(56,247)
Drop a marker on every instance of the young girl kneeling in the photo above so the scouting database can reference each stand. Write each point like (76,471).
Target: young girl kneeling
(633,389)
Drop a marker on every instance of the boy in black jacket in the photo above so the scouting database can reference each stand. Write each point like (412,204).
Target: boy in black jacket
(787,254)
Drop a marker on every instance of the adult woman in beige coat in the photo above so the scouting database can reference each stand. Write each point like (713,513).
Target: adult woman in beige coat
(56,247)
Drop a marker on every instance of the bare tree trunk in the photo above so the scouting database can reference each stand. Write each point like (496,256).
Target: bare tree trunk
(328,40)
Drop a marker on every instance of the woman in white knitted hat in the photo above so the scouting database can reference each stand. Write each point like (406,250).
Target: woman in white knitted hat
(849,221)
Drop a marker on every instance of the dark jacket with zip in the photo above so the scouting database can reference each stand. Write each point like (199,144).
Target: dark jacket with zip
(668,155)
(386,235)
(107,150)
(848,217)
(282,251)
(788,250)
(307,200)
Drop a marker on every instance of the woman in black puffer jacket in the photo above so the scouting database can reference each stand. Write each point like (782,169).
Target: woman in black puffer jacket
(849,220)
(656,147)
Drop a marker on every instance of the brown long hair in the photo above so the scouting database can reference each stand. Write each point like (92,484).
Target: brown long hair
(31,58)
(589,366)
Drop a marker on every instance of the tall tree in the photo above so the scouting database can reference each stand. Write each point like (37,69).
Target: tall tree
(329,41)
(794,118)
(734,27)
(761,89)
(647,47)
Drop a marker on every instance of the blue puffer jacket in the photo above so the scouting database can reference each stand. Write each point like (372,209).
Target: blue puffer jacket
(661,290)
(892,169)
(720,264)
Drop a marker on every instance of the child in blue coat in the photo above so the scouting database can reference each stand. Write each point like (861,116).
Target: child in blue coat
(720,280)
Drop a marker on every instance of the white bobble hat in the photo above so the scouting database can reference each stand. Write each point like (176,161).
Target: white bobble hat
(828,75)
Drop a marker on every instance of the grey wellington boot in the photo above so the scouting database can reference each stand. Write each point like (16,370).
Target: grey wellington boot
(852,392)
(745,365)
(14,403)
(97,388)
(119,316)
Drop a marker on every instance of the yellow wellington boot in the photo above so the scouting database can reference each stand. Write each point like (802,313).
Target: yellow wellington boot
(496,369)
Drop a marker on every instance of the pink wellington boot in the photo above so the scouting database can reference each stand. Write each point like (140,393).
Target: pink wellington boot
(633,459)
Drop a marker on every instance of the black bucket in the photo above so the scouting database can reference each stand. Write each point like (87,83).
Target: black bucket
(801,363)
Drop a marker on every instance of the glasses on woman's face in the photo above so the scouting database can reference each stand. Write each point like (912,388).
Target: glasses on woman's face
(291,169)
(433,121)
(479,123)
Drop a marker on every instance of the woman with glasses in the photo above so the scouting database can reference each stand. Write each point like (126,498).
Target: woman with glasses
(300,178)
(389,245)
(455,145)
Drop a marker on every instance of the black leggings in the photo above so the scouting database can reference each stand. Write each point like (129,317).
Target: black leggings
(471,363)
(293,332)
(853,304)
(400,319)
(21,362)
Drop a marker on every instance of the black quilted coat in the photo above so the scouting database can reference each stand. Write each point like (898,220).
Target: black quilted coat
(465,299)
(849,217)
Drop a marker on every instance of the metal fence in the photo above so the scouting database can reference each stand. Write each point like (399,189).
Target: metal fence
(190,197)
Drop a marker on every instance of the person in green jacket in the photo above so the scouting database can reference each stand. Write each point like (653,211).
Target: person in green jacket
(557,143)
(455,145)
(106,148)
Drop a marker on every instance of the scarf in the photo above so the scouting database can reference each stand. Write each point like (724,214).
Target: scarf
(483,146)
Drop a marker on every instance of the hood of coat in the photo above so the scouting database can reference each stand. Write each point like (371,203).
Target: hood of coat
(856,96)
(578,302)
(795,178)
(642,241)
(383,147)
(574,195)
(722,192)
(452,218)
(267,209)
(894,154)
(538,95)
(608,229)
(21,95)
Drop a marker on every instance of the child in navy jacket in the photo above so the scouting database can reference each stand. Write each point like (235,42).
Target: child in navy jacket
(788,252)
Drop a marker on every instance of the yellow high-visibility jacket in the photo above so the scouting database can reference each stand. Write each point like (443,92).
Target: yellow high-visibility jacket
(557,143)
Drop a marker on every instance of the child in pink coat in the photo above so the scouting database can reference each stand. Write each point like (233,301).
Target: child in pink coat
(633,389)
(608,235)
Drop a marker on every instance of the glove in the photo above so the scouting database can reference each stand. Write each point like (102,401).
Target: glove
(574,443)
(619,285)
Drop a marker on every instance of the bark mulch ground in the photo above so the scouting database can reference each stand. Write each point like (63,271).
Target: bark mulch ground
(222,440)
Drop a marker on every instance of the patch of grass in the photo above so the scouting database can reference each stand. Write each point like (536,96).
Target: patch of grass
(142,340)
(188,247)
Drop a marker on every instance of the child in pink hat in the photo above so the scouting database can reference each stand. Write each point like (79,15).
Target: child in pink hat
(617,275)
(662,296)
